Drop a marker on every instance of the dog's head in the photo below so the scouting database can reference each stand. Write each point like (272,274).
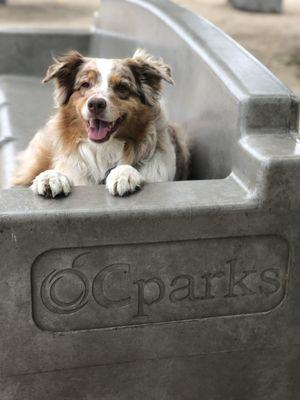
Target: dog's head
(111,96)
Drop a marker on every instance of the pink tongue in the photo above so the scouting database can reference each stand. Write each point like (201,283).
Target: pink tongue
(98,131)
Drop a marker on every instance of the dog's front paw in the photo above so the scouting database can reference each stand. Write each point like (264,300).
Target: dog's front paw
(123,180)
(51,184)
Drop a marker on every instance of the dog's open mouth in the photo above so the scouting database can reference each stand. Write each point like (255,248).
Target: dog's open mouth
(100,131)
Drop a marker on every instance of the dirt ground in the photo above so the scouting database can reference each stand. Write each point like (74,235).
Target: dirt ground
(273,38)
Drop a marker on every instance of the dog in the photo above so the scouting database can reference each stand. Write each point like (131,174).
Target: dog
(111,128)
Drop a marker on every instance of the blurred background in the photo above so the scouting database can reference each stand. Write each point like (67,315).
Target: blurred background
(273,38)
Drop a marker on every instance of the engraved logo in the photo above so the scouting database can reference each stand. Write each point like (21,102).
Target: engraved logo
(52,301)
(100,287)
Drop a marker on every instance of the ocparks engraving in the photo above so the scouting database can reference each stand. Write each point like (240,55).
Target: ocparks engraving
(99,287)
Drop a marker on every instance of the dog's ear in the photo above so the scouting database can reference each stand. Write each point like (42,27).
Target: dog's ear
(64,71)
(149,72)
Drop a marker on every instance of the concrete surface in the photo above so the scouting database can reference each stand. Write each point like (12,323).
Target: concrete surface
(185,290)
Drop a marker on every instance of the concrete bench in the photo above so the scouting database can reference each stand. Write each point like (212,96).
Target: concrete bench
(186,290)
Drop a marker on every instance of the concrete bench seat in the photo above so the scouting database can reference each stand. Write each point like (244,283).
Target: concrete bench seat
(184,291)
(25,105)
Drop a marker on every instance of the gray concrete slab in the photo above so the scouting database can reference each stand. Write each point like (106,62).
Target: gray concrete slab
(185,290)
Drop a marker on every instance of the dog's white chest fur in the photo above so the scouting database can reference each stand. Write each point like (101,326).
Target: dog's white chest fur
(92,161)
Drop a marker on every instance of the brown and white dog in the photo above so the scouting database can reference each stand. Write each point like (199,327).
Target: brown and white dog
(110,127)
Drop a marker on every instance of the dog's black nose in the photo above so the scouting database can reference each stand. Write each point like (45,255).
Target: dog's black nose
(97,104)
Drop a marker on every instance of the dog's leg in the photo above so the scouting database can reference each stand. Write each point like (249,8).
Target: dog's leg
(66,172)
(35,159)
(51,183)
(160,168)
(124,179)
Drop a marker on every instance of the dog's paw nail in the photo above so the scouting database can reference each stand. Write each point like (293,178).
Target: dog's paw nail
(51,184)
(124,180)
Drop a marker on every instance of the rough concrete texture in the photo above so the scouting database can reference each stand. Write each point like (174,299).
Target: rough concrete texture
(266,6)
(185,290)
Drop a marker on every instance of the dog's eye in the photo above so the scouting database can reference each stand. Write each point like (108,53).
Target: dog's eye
(122,88)
(85,85)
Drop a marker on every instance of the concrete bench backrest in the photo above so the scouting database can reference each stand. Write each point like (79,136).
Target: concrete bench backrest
(221,91)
